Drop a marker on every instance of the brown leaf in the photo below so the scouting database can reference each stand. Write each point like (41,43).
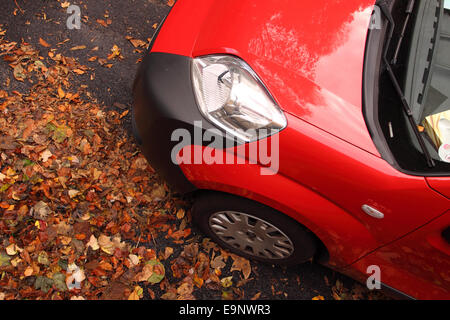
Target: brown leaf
(102,22)
(137,43)
(256,296)
(7,143)
(146,273)
(44,43)
(18,73)
(241,264)
(185,289)
(105,265)
(168,252)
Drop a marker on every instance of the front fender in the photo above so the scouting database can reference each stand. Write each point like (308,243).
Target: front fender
(343,235)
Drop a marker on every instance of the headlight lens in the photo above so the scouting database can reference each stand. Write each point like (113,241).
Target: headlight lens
(230,95)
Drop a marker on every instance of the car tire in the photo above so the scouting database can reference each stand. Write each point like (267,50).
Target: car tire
(253,230)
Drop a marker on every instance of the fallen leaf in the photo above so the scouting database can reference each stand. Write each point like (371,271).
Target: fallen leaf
(4,260)
(168,252)
(185,289)
(73,193)
(102,22)
(137,43)
(218,263)
(79,71)
(158,193)
(78,48)
(43,283)
(158,272)
(105,265)
(61,93)
(106,244)
(180,214)
(11,249)
(93,243)
(241,264)
(41,210)
(136,294)
(28,271)
(45,155)
(134,259)
(256,296)
(115,52)
(44,43)
(227,282)
(19,73)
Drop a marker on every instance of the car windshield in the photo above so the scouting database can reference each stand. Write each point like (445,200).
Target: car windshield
(427,83)
(419,55)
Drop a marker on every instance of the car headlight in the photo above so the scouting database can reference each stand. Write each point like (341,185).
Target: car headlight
(231,96)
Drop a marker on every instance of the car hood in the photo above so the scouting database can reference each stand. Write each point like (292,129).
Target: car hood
(309,54)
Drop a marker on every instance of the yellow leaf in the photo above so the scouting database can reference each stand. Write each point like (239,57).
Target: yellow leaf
(227,282)
(180,214)
(136,294)
(61,93)
(318,298)
(115,52)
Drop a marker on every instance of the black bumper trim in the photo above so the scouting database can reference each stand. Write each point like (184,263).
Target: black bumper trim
(164,101)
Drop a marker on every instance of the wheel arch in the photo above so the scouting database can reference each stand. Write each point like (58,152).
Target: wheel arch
(322,255)
(344,238)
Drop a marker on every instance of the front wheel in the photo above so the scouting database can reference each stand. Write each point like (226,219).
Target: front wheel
(253,230)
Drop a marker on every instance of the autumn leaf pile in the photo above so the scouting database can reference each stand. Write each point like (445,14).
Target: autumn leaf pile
(81,210)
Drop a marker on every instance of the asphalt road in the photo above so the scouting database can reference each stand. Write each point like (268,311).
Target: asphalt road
(30,20)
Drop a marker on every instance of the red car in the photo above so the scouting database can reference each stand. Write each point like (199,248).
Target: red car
(300,127)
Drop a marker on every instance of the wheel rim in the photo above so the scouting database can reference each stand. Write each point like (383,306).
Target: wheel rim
(251,235)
